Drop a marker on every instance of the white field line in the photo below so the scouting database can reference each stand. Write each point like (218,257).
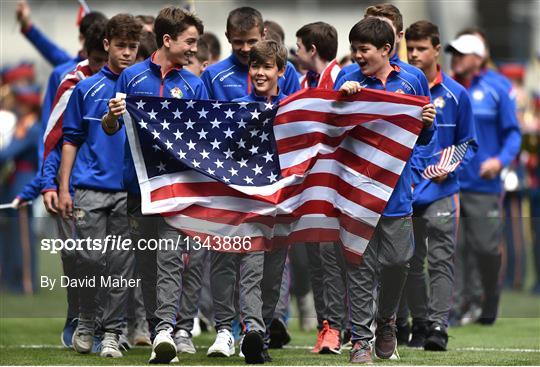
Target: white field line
(306,347)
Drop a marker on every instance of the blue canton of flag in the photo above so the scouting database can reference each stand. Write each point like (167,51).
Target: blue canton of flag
(232,142)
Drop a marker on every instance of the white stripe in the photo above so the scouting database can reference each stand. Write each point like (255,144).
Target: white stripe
(379,126)
(142,72)
(221,72)
(354,146)
(353,242)
(451,93)
(346,108)
(185,81)
(57,111)
(92,87)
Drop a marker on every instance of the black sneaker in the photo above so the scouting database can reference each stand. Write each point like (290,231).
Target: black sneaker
(253,348)
(419,332)
(403,333)
(385,338)
(279,336)
(266,356)
(437,339)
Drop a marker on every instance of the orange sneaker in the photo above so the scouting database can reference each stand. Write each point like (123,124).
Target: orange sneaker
(320,337)
(331,343)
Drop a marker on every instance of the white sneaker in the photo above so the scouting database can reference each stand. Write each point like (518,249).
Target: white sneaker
(196,331)
(223,346)
(110,346)
(183,341)
(163,349)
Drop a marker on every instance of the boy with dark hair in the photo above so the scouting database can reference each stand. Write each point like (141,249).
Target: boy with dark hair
(436,201)
(177,33)
(267,63)
(387,254)
(147,45)
(228,79)
(100,200)
(274,27)
(214,47)
(199,63)
(317,45)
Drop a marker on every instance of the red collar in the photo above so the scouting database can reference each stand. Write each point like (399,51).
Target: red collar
(439,78)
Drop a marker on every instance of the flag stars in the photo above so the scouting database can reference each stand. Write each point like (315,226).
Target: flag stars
(205,154)
(196,163)
(242,162)
(156,134)
(241,123)
(161,167)
(152,114)
(190,104)
(156,147)
(216,104)
(254,132)
(264,137)
(243,104)
(165,105)
(228,154)
(202,134)
(218,163)
(229,114)
(211,171)
(143,125)
(168,144)
(215,123)
(140,104)
(265,122)
(272,178)
(202,113)
(181,154)
(189,124)
(215,144)
(228,133)
(165,125)
(257,170)
(233,172)
(268,106)
(254,150)
(248,180)
(177,114)
(191,145)
(241,143)
(225,179)
(178,135)
(268,157)
(255,115)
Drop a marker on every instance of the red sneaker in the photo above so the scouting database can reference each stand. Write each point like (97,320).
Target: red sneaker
(331,343)
(320,337)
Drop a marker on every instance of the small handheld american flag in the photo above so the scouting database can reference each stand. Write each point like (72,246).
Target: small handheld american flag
(450,159)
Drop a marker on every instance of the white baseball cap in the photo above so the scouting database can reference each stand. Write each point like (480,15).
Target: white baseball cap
(468,44)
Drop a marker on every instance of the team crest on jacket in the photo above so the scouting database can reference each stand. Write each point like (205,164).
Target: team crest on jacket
(439,102)
(478,95)
(176,92)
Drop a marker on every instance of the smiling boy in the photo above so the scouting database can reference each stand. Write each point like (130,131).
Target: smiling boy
(387,254)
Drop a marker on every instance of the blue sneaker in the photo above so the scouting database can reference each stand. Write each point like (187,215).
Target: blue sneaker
(67,334)
(96,347)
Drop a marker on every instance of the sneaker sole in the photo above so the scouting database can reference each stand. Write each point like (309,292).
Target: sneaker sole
(165,353)
(219,353)
(434,347)
(110,355)
(186,351)
(252,348)
(328,350)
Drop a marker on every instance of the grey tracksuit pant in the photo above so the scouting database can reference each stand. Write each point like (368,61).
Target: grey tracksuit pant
(160,270)
(435,232)
(384,261)
(97,214)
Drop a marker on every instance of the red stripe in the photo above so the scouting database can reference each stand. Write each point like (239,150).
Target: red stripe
(219,189)
(352,119)
(366,95)
(360,133)
(53,137)
(359,164)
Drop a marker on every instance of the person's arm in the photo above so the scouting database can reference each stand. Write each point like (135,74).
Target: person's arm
(49,186)
(65,204)
(207,81)
(48,49)
(31,190)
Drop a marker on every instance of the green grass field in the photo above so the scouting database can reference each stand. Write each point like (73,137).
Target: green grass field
(30,329)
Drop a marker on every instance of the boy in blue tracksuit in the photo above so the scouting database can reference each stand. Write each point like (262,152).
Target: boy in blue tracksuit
(161,75)
(261,272)
(499,141)
(229,78)
(99,204)
(391,246)
(436,201)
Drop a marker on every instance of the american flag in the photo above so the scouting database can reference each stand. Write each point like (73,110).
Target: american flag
(53,131)
(84,9)
(450,159)
(320,167)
